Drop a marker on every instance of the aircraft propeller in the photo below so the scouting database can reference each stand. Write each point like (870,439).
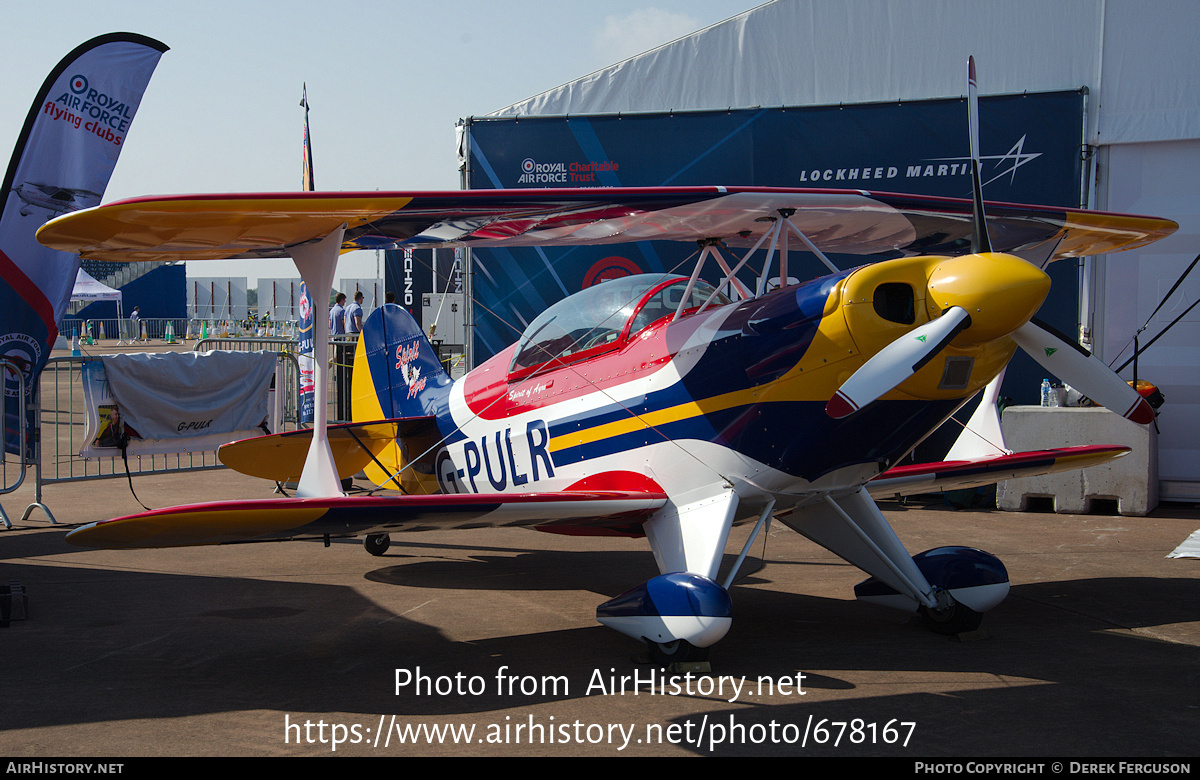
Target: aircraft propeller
(998,292)
(897,362)
(1082,370)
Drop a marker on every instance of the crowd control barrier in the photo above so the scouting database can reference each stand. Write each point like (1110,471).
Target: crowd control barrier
(13,465)
(171,329)
(61,431)
(341,356)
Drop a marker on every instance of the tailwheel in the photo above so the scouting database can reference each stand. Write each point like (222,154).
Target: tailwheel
(377,544)
(954,618)
(680,651)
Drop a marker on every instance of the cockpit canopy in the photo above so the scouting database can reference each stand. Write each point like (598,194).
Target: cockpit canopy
(602,318)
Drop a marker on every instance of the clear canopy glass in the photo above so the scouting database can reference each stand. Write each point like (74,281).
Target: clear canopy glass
(596,317)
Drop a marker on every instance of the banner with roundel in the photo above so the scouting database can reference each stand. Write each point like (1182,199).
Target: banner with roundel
(62,162)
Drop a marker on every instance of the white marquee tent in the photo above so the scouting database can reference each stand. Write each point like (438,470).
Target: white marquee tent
(88,289)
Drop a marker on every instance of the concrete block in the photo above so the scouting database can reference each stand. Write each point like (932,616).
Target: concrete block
(1131,481)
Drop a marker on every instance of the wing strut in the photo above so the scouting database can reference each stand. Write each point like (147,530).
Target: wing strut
(730,276)
(811,246)
(711,247)
(982,437)
(763,519)
(776,233)
(317,263)
(901,567)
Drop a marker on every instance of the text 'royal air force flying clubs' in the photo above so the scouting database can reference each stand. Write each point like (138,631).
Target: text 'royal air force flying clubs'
(658,405)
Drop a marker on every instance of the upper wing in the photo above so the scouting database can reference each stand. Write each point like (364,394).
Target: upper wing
(952,475)
(223,522)
(847,221)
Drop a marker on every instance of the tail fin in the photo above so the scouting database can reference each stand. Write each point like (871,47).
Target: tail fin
(396,372)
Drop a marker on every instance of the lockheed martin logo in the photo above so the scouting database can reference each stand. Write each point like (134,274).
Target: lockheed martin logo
(997,166)
(1002,164)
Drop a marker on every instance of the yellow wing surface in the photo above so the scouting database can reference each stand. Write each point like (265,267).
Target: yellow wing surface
(266,225)
(224,522)
(280,457)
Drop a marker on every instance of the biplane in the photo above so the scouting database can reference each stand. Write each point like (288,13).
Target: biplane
(55,200)
(655,405)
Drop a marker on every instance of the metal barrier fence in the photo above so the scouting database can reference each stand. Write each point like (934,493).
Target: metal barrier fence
(62,431)
(13,465)
(172,329)
(341,357)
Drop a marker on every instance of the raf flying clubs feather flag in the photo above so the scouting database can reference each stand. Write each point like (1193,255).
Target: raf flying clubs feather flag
(62,162)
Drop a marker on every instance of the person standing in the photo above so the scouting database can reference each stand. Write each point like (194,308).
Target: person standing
(135,324)
(337,316)
(341,357)
(354,315)
(353,326)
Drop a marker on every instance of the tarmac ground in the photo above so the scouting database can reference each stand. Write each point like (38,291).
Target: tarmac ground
(286,648)
(484,643)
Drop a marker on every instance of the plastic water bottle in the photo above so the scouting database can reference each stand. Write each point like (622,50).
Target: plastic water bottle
(1049,398)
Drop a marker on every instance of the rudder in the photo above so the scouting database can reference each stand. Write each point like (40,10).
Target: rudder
(396,371)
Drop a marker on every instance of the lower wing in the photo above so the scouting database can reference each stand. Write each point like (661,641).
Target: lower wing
(957,474)
(223,522)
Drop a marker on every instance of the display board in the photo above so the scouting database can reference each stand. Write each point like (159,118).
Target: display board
(1030,146)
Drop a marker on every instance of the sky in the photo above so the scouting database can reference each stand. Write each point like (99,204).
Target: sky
(387,81)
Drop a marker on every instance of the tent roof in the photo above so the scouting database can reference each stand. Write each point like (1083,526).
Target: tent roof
(88,289)
(1138,58)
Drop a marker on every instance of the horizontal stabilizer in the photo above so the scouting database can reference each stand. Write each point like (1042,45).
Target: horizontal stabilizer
(955,475)
(280,457)
(223,522)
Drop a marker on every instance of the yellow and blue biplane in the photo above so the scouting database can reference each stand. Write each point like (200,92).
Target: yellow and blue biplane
(651,405)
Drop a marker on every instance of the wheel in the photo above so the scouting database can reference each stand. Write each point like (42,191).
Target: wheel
(951,620)
(377,544)
(677,652)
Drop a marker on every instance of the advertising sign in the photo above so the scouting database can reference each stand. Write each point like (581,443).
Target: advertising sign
(62,162)
(1030,146)
(305,357)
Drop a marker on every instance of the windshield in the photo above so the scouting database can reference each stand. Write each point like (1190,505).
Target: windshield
(596,317)
(587,319)
(666,301)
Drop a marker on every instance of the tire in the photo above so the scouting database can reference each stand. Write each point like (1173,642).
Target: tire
(679,651)
(954,619)
(377,544)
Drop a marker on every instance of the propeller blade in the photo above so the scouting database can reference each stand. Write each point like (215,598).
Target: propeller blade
(1082,370)
(896,362)
(980,240)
